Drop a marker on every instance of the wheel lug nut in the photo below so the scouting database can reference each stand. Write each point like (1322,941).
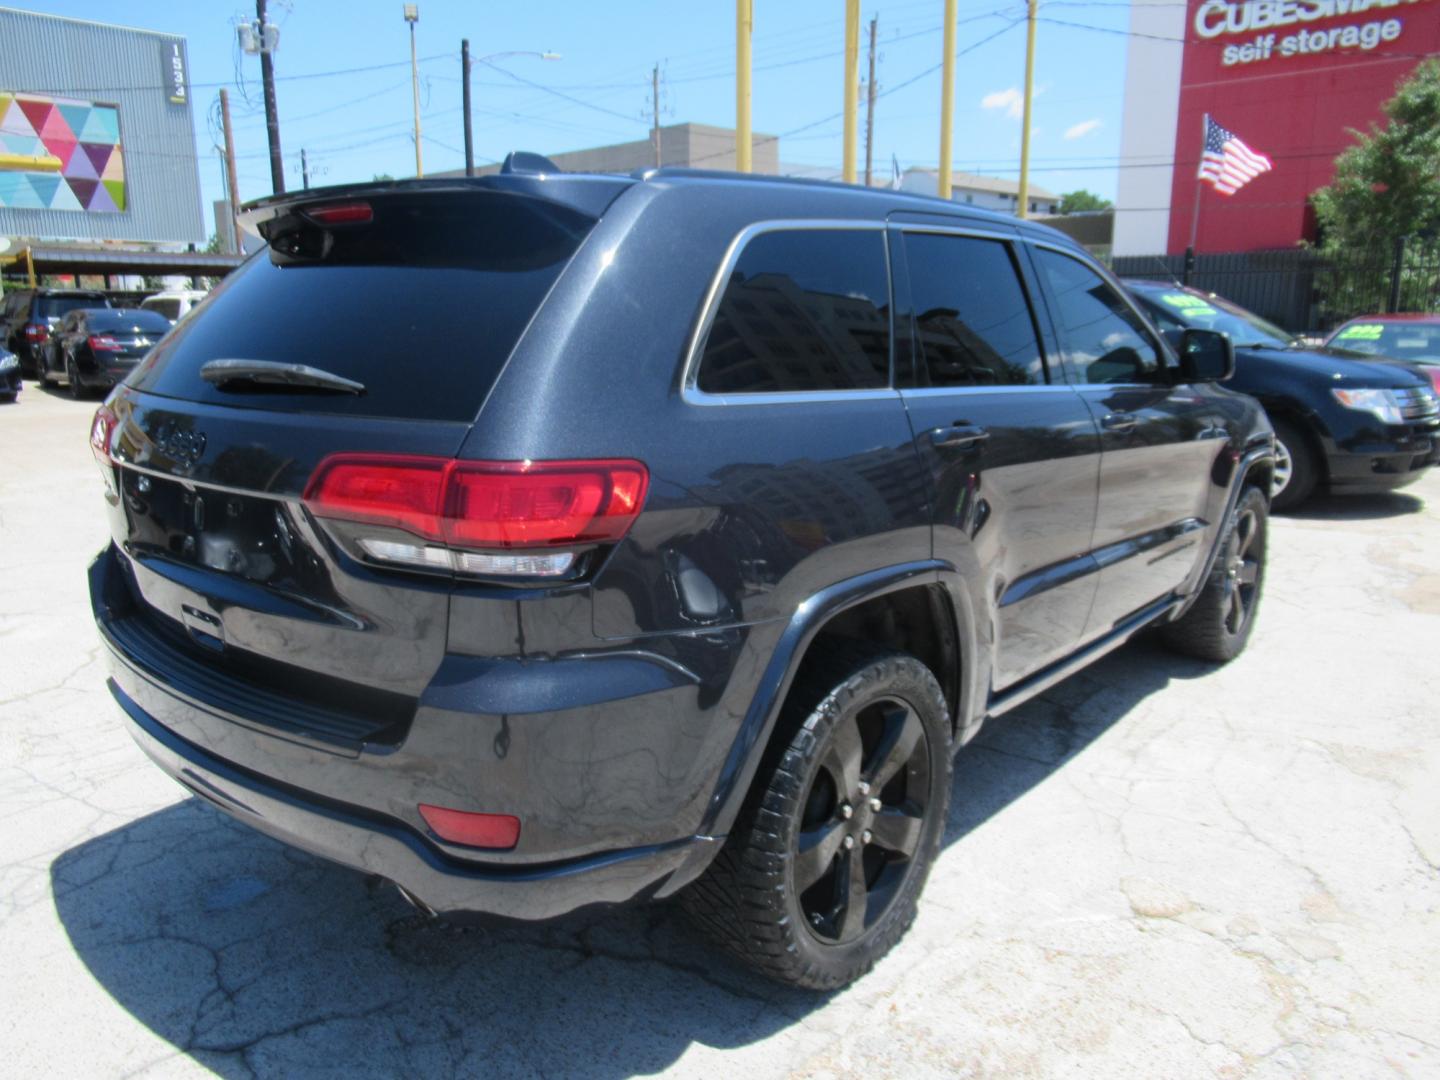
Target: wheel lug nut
(864,788)
(848,843)
(875,804)
(846,810)
(865,837)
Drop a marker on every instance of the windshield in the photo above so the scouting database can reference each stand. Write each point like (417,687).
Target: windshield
(1179,308)
(1403,341)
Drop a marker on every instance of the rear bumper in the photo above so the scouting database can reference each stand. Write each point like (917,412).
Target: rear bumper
(390,849)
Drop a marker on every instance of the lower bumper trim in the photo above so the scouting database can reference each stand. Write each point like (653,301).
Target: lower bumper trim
(392,851)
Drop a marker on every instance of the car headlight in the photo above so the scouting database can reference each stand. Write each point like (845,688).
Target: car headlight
(1384,405)
(8,361)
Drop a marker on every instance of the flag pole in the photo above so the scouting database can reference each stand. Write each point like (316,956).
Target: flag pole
(1195,210)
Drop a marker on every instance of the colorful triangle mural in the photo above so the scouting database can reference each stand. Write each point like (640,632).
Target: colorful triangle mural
(84,189)
(99,155)
(13,121)
(101,202)
(60,154)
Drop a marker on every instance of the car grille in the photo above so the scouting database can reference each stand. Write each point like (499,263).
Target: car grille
(1418,404)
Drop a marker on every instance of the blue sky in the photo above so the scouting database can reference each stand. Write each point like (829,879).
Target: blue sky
(357,123)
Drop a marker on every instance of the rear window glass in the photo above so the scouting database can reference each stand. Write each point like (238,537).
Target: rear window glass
(170,308)
(128,317)
(53,307)
(422,305)
(805,309)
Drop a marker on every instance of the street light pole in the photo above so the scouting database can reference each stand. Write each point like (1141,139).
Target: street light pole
(412,16)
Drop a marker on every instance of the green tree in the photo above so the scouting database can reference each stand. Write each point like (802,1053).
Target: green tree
(382,176)
(1386,187)
(216,246)
(1076,202)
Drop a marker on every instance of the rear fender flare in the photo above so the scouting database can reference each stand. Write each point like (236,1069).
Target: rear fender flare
(805,624)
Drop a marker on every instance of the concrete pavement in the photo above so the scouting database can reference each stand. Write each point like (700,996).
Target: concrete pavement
(1158,869)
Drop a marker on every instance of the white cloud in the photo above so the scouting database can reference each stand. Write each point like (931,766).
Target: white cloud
(1010,100)
(1080,130)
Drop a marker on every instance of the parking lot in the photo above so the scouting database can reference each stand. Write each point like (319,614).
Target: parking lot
(1158,869)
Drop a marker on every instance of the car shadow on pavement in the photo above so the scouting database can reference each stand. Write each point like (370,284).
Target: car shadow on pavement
(1373,507)
(257,959)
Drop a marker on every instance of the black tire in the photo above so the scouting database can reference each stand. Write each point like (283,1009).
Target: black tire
(1293,447)
(1218,625)
(856,717)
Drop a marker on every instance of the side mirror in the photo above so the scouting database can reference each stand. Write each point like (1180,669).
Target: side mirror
(1206,356)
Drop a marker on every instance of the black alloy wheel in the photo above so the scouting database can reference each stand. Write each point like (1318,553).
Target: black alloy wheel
(863,816)
(823,868)
(1218,625)
(1243,552)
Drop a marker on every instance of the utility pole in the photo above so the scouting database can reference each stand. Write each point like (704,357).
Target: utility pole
(870,101)
(947,99)
(655,111)
(412,16)
(304,169)
(1023,199)
(232,182)
(852,88)
(272,118)
(744,24)
(465,105)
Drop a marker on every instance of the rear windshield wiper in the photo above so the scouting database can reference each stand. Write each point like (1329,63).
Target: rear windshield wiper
(271,372)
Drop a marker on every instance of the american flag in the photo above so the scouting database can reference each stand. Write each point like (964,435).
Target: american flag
(1227,163)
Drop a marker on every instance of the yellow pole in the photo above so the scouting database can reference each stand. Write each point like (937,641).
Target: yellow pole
(415,92)
(947,98)
(852,86)
(30,266)
(744,23)
(1023,198)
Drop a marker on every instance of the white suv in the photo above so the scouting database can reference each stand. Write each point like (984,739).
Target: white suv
(174,304)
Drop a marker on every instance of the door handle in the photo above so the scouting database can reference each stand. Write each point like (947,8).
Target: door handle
(958,435)
(1118,421)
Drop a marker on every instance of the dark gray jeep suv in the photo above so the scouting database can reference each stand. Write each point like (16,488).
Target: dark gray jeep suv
(545,540)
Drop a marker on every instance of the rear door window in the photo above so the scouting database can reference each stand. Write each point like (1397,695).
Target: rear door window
(971,315)
(803,310)
(422,304)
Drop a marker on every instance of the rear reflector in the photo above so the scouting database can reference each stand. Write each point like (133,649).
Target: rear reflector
(354,213)
(472,830)
(483,504)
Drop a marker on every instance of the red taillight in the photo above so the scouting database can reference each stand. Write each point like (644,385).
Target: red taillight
(36,332)
(101,428)
(104,343)
(1435,378)
(473,830)
(504,505)
(352,213)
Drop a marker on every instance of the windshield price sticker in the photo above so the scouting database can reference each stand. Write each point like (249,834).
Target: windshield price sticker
(1187,304)
(1362,332)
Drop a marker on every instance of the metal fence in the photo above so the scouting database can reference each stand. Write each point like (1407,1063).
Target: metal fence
(1304,291)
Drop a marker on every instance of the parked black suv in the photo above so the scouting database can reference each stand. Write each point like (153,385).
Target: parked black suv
(1345,422)
(539,541)
(31,315)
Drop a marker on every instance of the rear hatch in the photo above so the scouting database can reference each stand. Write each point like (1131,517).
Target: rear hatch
(408,299)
